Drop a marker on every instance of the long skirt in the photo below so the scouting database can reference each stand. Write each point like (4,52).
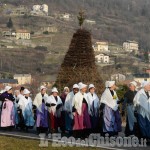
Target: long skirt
(144,125)
(55,122)
(63,121)
(7,114)
(42,119)
(94,123)
(112,120)
(68,121)
(82,121)
(20,123)
(130,121)
(28,118)
(16,115)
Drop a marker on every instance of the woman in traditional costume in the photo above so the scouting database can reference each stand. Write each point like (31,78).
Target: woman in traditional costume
(20,119)
(142,104)
(94,107)
(68,108)
(81,112)
(63,98)
(129,107)
(7,110)
(25,104)
(111,117)
(41,112)
(55,106)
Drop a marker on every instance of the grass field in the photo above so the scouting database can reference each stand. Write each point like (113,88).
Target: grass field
(10,143)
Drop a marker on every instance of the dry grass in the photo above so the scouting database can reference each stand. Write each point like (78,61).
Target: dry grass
(10,143)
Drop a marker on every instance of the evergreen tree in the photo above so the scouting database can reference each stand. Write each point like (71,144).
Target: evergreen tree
(81,18)
(9,23)
(146,57)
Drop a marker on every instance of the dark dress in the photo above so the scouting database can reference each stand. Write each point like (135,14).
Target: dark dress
(130,128)
(63,126)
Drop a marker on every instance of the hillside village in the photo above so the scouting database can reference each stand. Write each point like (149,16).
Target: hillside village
(33,44)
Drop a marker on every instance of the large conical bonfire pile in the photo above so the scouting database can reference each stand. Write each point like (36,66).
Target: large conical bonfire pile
(79,63)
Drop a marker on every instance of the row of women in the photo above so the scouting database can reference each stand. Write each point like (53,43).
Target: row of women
(79,111)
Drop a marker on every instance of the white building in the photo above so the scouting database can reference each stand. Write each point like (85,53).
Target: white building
(92,22)
(52,29)
(23,78)
(142,77)
(101,46)
(44,8)
(118,77)
(101,58)
(22,34)
(131,46)
(66,16)
(40,10)
(36,7)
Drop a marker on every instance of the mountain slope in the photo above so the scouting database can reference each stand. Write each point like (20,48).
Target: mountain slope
(117,20)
